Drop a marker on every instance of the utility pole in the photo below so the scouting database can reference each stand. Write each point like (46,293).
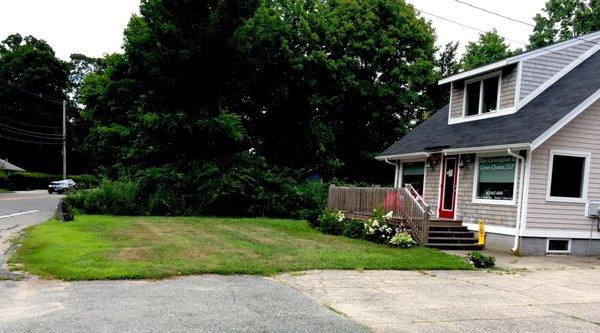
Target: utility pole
(64,119)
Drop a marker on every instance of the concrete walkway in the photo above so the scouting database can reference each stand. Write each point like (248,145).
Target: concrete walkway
(540,294)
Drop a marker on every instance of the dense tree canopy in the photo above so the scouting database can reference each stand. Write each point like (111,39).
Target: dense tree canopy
(28,67)
(328,84)
(489,48)
(564,19)
(308,85)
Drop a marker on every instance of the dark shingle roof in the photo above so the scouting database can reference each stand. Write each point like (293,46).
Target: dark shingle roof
(524,126)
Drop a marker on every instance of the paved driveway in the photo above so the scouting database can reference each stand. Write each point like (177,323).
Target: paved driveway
(200,304)
(533,300)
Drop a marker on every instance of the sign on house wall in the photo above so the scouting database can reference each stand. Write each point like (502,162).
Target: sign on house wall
(496,177)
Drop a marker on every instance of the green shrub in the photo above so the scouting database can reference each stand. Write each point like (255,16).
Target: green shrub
(85,180)
(23,181)
(118,198)
(330,222)
(206,189)
(403,240)
(481,261)
(353,229)
(3,179)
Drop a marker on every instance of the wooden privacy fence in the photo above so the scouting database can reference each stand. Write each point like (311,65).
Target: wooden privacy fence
(405,203)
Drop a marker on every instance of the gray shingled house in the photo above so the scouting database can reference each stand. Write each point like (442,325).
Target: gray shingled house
(518,146)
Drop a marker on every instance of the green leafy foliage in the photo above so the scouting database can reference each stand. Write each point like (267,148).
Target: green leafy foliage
(564,19)
(403,240)
(28,64)
(481,261)
(353,229)
(489,48)
(331,222)
(233,192)
(36,180)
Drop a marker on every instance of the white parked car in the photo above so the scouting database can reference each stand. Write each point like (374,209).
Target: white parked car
(61,186)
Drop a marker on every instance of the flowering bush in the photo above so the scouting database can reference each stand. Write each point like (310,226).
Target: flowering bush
(331,222)
(403,240)
(378,228)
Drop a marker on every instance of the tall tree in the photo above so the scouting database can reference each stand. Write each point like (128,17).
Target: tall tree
(329,84)
(564,19)
(490,47)
(28,67)
(447,62)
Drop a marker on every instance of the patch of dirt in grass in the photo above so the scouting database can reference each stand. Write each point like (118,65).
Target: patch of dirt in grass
(196,253)
(135,253)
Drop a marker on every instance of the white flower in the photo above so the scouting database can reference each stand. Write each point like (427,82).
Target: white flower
(371,231)
(375,224)
(389,215)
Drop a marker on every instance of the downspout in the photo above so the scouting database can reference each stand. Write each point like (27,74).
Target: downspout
(520,202)
(395,171)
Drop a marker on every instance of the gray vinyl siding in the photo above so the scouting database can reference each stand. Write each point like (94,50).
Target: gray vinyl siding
(581,134)
(538,70)
(469,212)
(498,215)
(432,186)
(507,92)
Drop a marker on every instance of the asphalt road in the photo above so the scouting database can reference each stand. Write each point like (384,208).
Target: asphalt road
(208,303)
(19,210)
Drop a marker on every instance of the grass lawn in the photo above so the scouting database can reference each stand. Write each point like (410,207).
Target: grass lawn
(3,190)
(111,247)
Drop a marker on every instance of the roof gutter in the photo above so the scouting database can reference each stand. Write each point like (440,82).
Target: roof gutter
(400,156)
(520,201)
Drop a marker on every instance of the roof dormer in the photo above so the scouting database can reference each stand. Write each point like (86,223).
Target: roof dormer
(487,95)
(503,87)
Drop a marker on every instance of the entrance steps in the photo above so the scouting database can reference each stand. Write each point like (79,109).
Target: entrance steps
(451,234)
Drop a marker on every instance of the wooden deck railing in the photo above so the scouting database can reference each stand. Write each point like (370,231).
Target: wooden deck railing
(405,203)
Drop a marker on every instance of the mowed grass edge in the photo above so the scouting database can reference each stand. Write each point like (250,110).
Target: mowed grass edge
(112,247)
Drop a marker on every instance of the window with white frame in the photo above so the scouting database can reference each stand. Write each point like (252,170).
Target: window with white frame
(558,245)
(495,179)
(482,95)
(568,174)
(413,173)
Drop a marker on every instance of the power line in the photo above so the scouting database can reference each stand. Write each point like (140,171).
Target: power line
(29,135)
(28,124)
(30,132)
(519,21)
(51,99)
(29,141)
(466,26)
(494,13)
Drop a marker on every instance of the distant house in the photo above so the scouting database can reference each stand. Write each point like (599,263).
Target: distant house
(518,146)
(8,167)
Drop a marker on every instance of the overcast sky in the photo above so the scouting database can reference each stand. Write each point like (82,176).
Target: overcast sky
(95,27)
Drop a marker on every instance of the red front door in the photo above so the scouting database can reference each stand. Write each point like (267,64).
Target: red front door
(449,170)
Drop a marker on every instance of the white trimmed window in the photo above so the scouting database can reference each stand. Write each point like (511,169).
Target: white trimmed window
(562,246)
(495,180)
(482,95)
(568,174)
(413,173)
